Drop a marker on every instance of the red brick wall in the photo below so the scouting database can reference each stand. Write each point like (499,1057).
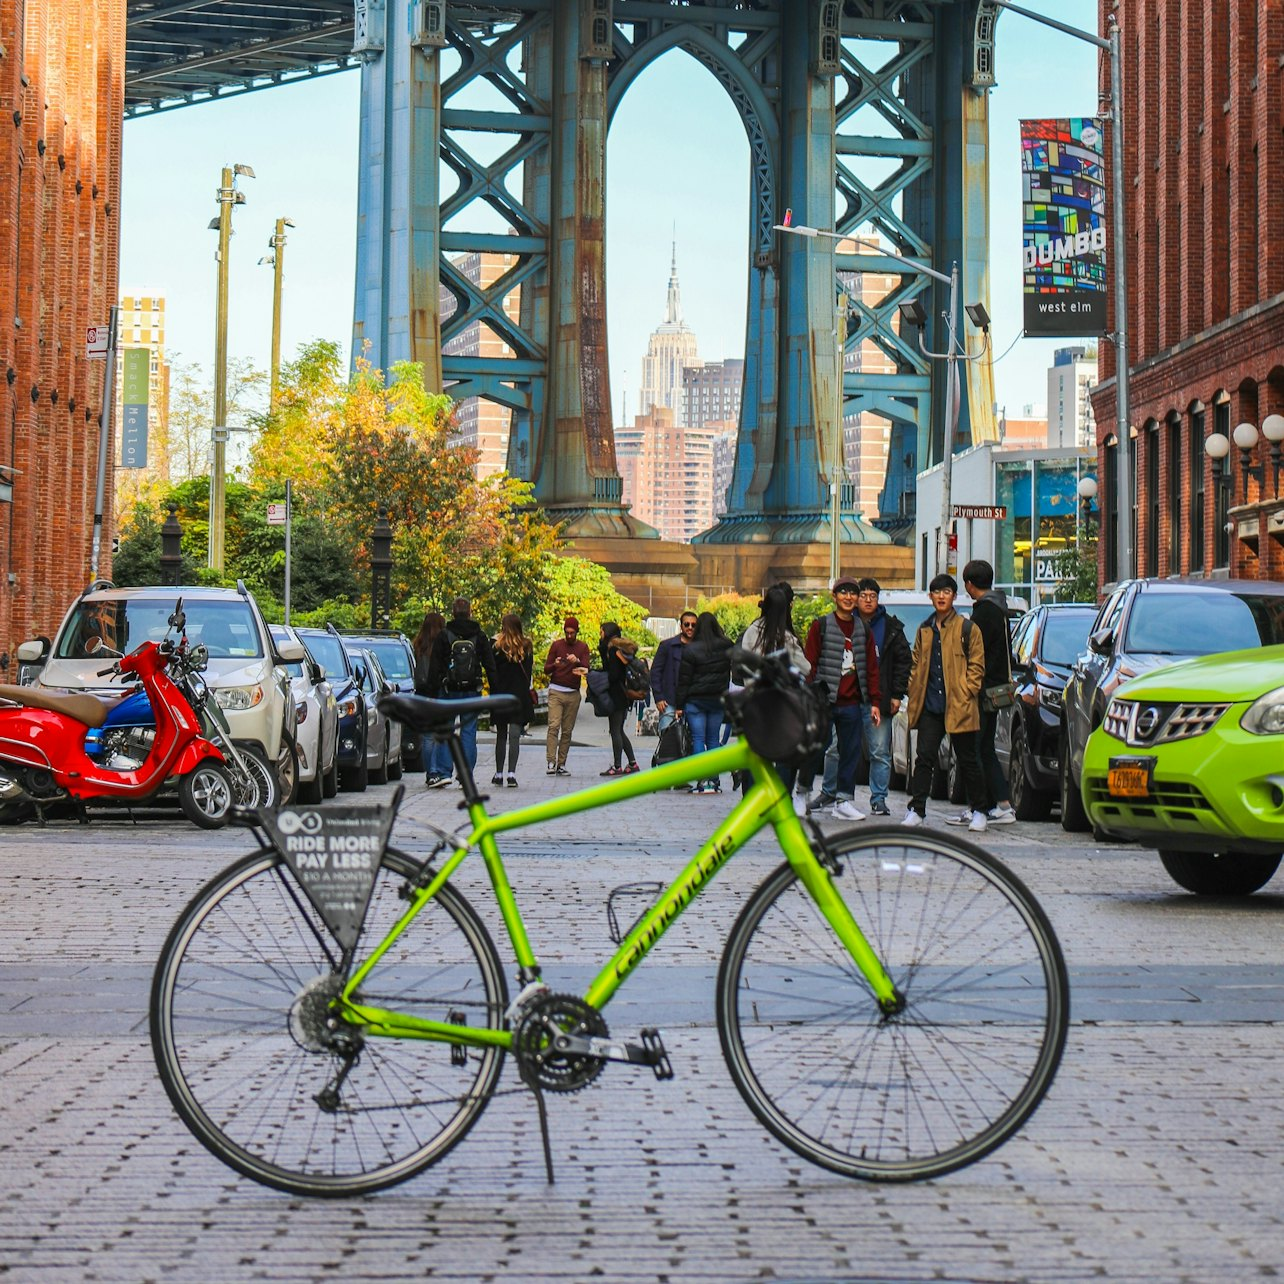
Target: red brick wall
(60,147)
(1204,169)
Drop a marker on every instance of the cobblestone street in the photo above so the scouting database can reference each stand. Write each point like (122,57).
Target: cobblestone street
(1154,1157)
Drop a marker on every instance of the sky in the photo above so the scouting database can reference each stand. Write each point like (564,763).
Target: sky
(664,179)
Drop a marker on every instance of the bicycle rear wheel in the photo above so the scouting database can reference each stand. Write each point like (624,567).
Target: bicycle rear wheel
(239,1011)
(939,1084)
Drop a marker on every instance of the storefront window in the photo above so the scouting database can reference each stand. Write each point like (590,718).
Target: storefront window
(1055,482)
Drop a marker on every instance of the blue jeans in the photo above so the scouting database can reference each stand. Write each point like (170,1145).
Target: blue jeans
(467,727)
(878,745)
(845,727)
(436,757)
(705,720)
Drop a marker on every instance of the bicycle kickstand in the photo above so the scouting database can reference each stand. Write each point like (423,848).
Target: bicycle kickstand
(542,1111)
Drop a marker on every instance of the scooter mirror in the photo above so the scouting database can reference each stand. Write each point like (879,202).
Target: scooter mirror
(93,645)
(198,658)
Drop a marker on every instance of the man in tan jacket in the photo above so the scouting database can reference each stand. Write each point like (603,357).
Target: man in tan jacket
(944,686)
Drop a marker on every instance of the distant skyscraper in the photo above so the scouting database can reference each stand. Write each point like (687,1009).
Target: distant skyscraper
(1071,377)
(141,324)
(711,393)
(671,350)
(481,424)
(667,473)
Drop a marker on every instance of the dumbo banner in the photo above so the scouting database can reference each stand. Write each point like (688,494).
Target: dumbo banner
(1063,182)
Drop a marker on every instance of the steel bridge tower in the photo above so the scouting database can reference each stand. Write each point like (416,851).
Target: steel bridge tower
(484,128)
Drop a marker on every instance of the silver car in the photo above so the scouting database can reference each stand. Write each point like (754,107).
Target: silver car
(383,736)
(316,732)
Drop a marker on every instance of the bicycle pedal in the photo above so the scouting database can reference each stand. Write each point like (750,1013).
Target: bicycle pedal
(654,1053)
(458,1053)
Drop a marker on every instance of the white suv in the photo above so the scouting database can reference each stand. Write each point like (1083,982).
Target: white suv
(245,671)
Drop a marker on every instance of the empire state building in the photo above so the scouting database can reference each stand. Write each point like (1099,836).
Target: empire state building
(671,350)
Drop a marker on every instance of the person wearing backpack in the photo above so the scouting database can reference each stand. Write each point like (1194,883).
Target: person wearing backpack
(703,678)
(616,653)
(461,658)
(944,688)
(436,754)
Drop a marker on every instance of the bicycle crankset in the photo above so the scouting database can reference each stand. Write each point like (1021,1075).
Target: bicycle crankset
(551,1031)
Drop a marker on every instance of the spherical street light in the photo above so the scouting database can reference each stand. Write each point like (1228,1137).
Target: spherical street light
(1217,446)
(1245,436)
(1273,428)
(1087,489)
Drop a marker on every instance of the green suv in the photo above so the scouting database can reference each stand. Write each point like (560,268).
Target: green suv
(1189,759)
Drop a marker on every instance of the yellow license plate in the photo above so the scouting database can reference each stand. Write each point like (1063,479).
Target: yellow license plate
(1128,782)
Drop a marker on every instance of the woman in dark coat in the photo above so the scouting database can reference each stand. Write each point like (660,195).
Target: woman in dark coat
(513,662)
(616,652)
(436,754)
(703,678)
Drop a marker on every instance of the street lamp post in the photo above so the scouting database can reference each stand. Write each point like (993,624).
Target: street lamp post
(381,572)
(171,558)
(276,243)
(227,197)
(1118,260)
(913,314)
(1087,489)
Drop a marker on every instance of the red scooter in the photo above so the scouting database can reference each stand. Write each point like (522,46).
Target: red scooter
(42,745)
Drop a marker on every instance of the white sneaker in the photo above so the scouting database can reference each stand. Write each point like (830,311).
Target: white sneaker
(912,819)
(551,769)
(845,809)
(978,822)
(963,818)
(1001,816)
(800,804)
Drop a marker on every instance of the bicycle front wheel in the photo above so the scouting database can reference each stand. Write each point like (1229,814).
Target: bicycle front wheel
(942,1082)
(240,1027)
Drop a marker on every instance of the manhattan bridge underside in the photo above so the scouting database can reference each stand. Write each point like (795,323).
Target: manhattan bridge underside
(484,129)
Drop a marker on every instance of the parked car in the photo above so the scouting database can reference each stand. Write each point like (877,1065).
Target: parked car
(1144,625)
(1188,761)
(316,734)
(913,608)
(1027,740)
(245,674)
(396,658)
(383,734)
(325,646)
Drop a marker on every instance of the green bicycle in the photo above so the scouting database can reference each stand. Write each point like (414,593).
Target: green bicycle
(891,1004)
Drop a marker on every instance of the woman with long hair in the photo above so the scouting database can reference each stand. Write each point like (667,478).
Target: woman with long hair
(616,652)
(436,754)
(773,631)
(703,678)
(513,665)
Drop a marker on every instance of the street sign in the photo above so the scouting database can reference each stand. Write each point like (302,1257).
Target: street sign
(987,512)
(96,337)
(276,514)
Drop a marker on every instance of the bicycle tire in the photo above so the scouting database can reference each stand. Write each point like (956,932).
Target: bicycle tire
(949,1078)
(228,1015)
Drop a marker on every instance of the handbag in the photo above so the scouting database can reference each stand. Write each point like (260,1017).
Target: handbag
(1000,696)
(599,693)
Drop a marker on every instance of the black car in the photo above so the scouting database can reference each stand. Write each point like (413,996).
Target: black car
(1144,625)
(396,658)
(325,646)
(1027,738)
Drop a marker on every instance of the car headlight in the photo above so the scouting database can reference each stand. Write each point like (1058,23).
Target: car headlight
(1265,716)
(301,714)
(1118,716)
(238,697)
(348,707)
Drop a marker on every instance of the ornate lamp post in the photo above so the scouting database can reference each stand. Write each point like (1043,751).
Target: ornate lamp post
(171,558)
(1087,489)
(381,573)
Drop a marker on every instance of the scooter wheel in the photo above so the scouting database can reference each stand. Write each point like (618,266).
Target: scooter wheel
(205,795)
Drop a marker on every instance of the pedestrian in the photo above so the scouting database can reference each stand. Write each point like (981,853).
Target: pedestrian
(990,617)
(945,682)
(664,670)
(461,658)
(841,653)
(703,678)
(616,652)
(513,668)
(566,664)
(894,662)
(436,753)
(771,632)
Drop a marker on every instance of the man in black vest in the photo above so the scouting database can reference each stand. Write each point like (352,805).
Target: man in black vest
(842,655)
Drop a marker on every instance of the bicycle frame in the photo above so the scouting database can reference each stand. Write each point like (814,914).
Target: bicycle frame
(765,802)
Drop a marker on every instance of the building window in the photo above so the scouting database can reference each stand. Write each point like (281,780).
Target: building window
(1221,468)
(1174,495)
(1196,463)
(1110,512)
(1152,498)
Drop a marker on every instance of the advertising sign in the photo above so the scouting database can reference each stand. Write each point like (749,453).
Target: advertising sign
(1063,253)
(135,383)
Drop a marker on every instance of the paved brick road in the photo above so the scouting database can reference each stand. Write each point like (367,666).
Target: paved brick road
(1157,1155)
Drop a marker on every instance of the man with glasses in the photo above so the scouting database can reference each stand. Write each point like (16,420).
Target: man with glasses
(842,655)
(893,679)
(664,670)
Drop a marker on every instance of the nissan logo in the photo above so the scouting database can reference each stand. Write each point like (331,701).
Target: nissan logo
(1147,720)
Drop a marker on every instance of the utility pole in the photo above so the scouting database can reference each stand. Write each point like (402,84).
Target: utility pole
(276,243)
(228,196)
(836,468)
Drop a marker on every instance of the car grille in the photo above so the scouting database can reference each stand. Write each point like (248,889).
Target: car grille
(1173,801)
(1140,723)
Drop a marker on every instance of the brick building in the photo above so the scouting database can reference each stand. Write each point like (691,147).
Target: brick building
(62,94)
(1204,168)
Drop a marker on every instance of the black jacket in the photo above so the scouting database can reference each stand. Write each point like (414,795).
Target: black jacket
(705,672)
(895,658)
(455,629)
(513,677)
(665,666)
(990,615)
